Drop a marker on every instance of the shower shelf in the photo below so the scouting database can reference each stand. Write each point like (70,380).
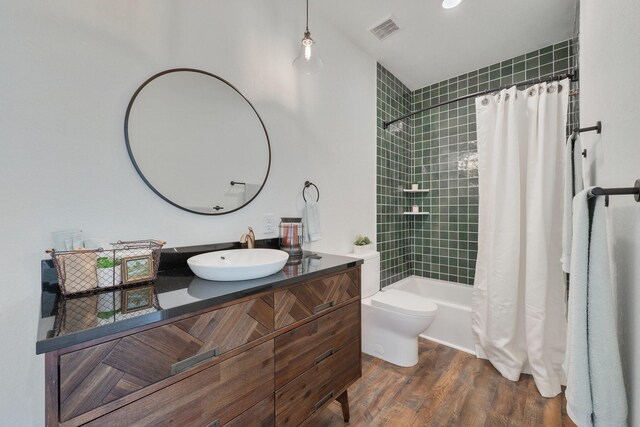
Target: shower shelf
(408,190)
(416,213)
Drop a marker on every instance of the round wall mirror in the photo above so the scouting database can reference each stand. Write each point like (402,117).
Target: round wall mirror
(197,142)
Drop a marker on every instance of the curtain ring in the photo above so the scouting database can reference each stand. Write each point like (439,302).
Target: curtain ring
(485,101)
(506,97)
(499,96)
(551,89)
(532,92)
(559,88)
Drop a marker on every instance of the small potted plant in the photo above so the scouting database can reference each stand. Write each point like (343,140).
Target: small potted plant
(361,245)
(109,272)
(109,306)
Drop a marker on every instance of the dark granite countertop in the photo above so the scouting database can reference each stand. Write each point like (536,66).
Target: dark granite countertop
(176,291)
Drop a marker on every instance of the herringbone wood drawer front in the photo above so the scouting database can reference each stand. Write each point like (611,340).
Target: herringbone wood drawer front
(100,374)
(303,301)
(214,396)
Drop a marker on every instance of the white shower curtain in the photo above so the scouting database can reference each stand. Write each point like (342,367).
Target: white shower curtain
(519,320)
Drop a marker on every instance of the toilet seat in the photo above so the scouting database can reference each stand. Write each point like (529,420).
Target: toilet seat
(404,302)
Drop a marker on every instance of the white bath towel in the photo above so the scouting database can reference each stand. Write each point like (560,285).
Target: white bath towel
(595,387)
(573,184)
(311,220)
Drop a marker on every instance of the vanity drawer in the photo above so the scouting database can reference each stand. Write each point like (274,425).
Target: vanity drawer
(214,396)
(105,372)
(306,346)
(303,396)
(259,415)
(303,301)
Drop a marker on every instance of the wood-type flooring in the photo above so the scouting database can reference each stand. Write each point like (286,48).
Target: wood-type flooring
(446,388)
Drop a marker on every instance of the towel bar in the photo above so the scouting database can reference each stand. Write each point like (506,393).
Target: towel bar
(576,131)
(599,191)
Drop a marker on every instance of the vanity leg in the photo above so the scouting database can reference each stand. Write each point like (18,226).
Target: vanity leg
(344,402)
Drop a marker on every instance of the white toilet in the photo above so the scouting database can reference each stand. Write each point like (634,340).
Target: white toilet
(392,319)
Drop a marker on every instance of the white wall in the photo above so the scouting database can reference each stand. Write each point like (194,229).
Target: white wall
(67,72)
(610,92)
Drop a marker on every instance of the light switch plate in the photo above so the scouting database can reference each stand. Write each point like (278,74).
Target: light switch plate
(269,224)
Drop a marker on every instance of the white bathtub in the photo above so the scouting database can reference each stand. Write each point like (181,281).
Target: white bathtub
(452,324)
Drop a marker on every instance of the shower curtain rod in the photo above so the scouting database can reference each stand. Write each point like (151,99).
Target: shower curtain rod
(573,77)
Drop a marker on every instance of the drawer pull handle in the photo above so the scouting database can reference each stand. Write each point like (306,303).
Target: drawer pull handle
(193,360)
(323,400)
(323,356)
(214,423)
(319,308)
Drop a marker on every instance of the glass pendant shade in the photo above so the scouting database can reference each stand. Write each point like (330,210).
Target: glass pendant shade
(308,61)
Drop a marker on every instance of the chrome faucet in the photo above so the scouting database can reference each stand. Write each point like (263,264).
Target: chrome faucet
(249,238)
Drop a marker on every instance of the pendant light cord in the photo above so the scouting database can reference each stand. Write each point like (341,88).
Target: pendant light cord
(307,15)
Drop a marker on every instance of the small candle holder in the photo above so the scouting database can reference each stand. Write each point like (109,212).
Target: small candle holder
(291,235)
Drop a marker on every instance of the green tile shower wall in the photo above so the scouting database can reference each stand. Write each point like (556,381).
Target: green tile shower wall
(443,157)
(393,163)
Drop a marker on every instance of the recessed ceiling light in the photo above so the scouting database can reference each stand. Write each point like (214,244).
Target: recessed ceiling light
(450,4)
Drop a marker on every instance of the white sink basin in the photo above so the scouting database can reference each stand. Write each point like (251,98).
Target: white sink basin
(237,264)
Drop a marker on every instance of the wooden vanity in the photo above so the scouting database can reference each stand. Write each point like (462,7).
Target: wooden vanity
(274,357)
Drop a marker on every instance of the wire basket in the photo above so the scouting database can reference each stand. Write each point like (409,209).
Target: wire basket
(89,271)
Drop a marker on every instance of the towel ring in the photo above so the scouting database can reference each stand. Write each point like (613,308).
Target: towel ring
(308,184)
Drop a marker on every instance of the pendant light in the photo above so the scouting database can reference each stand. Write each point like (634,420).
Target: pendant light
(308,62)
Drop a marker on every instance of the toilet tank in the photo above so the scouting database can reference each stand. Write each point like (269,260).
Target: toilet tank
(370,273)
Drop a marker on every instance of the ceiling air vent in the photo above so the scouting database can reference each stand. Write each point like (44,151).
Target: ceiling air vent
(385,29)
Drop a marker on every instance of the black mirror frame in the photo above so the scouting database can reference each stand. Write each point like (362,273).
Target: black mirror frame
(135,164)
